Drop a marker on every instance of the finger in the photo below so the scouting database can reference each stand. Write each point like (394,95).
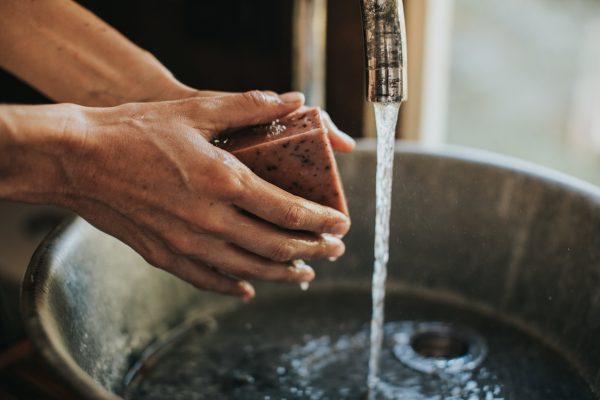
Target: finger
(199,275)
(276,244)
(228,258)
(242,264)
(205,278)
(156,253)
(212,93)
(251,108)
(215,93)
(287,211)
(196,273)
(340,140)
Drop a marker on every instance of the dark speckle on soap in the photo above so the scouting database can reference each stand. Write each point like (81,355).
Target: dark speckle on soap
(300,161)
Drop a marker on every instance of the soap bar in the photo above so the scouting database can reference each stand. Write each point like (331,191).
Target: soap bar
(293,153)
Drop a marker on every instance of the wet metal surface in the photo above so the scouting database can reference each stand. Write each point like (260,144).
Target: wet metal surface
(384,29)
(315,345)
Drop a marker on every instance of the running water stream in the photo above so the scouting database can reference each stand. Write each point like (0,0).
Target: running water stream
(386,117)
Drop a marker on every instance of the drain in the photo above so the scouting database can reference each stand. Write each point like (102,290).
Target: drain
(438,347)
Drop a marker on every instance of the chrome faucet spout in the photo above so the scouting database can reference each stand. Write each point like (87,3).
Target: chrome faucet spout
(384,29)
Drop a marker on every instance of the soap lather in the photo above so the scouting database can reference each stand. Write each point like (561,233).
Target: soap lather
(293,153)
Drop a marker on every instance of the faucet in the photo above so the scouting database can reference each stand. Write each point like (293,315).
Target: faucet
(384,29)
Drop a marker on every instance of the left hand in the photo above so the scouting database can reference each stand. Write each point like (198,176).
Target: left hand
(340,140)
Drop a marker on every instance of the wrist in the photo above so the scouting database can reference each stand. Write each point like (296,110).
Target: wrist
(39,142)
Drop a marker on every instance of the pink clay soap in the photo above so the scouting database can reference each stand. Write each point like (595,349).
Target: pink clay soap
(293,153)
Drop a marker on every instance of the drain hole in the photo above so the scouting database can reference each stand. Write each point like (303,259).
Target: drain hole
(439,345)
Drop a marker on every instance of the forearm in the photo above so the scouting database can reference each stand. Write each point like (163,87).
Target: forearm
(36,143)
(70,55)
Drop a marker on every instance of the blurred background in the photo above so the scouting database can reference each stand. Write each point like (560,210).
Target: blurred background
(517,77)
(524,80)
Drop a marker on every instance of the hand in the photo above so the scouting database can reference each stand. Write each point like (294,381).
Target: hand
(87,62)
(147,174)
(340,141)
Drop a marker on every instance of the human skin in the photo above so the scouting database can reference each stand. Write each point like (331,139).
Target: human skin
(145,171)
(72,56)
(148,174)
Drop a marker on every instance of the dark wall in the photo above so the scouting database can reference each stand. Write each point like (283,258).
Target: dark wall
(345,65)
(233,45)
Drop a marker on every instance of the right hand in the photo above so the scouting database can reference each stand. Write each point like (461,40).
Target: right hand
(147,174)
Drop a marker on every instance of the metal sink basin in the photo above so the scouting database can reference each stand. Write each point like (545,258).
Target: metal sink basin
(506,250)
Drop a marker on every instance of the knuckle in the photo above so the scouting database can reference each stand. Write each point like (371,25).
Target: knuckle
(293,217)
(255,97)
(282,251)
(232,184)
(182,243)
(226,170)
(159,258)
(214,225)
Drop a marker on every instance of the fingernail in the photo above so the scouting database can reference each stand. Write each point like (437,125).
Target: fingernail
(335,242)
(304,286)
(248,290)
(331,239)
(292,97)
(333,259)
(300,267)
(340,229)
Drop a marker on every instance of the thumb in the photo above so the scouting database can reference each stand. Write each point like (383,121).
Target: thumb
(252,108)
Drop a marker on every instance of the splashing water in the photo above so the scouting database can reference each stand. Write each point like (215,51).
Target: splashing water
(386,117)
